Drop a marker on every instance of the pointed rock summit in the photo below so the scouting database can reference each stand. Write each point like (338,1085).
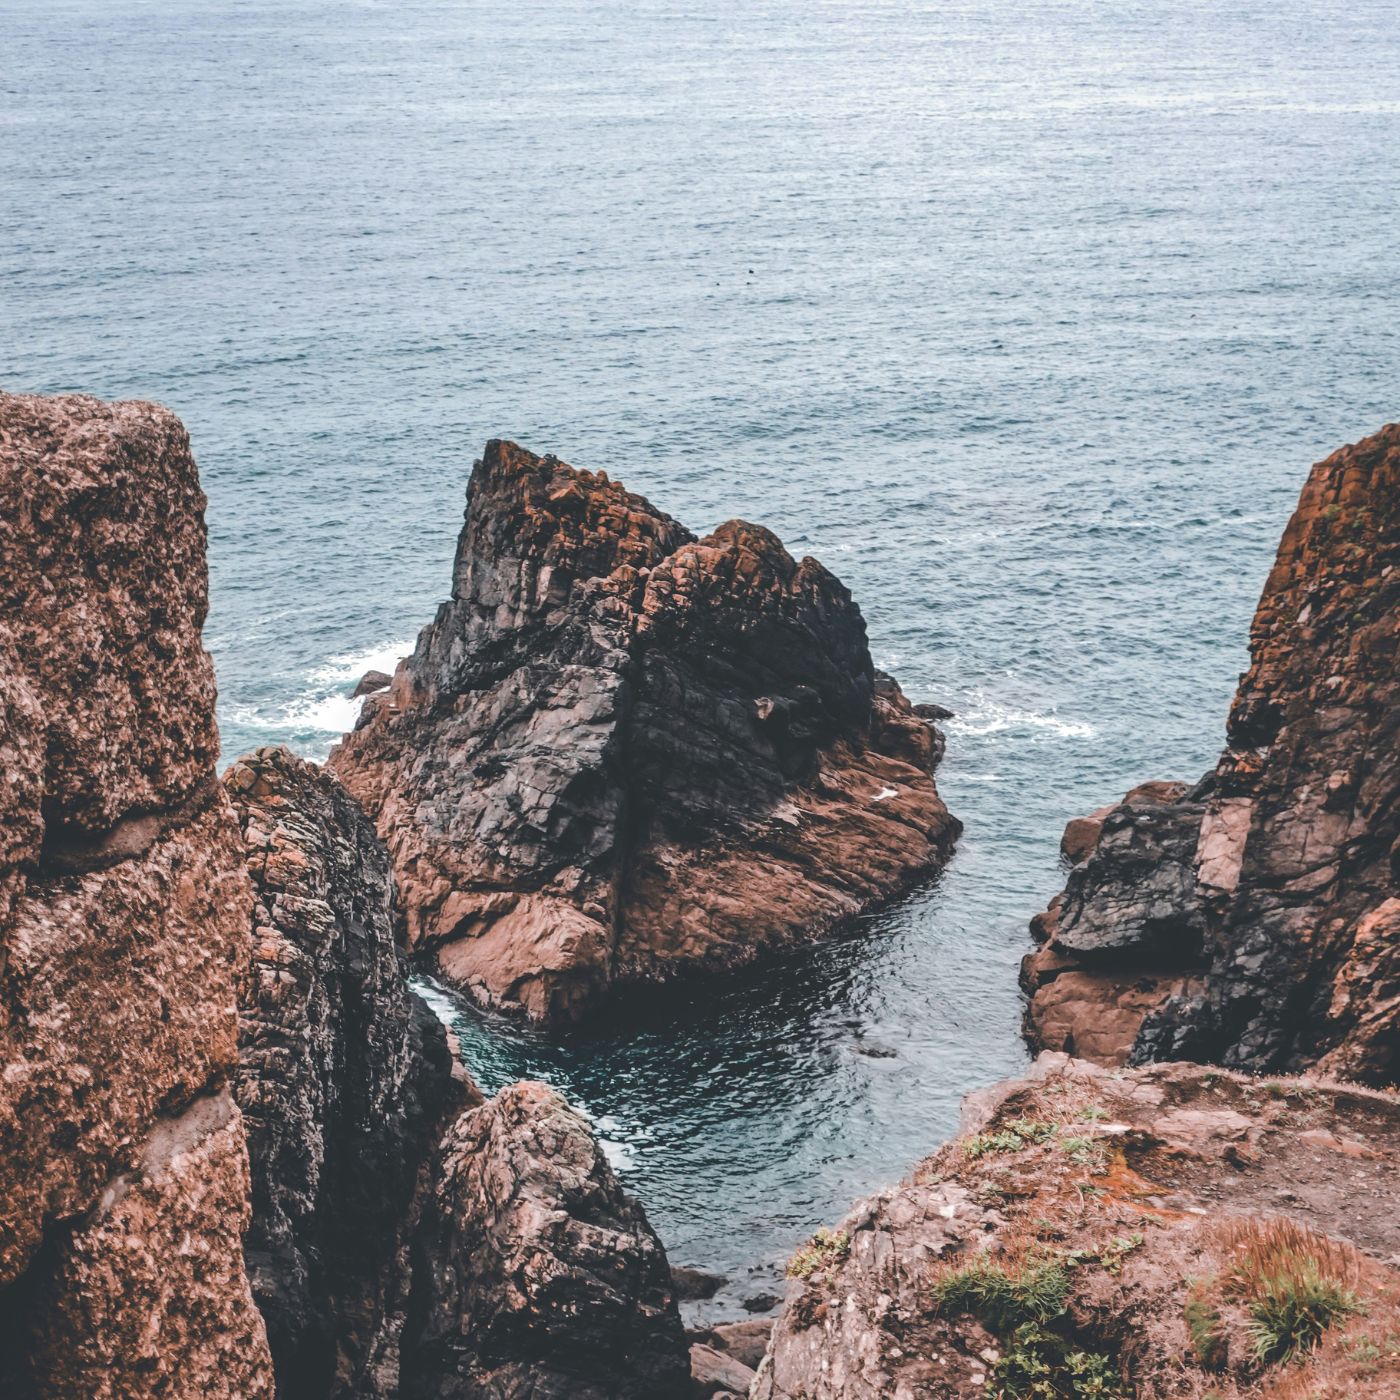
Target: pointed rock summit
(620,752)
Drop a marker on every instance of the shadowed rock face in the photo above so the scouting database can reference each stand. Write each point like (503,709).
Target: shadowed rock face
(1273,888)
(620,751)
(124,912)
(547,1279)
(1135,1199)
(408,1240)
(346,1084)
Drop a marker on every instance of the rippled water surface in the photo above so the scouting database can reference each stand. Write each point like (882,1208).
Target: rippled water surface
(1026,319)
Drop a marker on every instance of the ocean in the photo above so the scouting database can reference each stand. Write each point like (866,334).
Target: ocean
(1027,320)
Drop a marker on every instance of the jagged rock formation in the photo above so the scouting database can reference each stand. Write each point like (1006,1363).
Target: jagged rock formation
(407,1239)
(123,925)
(1114,1234)
(620,751)
(346,1085)
(546,1278)
(1263,906)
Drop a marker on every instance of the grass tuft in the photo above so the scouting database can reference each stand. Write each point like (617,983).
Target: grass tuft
(824,1249)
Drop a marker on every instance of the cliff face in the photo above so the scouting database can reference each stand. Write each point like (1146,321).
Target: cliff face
(1277,897)
(124,913)
(407,1239)
(620,751)
(1163,1232)
(346,1084)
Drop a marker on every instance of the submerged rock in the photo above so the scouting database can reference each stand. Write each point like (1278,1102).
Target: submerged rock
(1273,887)
(124,925)
(620,752)
(1097,1233)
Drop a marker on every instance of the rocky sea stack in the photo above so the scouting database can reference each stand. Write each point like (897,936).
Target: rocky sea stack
(620,751)
(1254,919)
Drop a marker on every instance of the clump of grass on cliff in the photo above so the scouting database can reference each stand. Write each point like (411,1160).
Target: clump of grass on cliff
(1021,1303)
(1022,1133)
(1294,1284)
(825,1249)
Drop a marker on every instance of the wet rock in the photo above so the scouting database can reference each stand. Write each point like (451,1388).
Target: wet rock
(345,1081)
(695,1285)
(1290,884)
(545,1277)
(371,682)
(1125,1196)
(620,752)
(124,924)
(744,1341)
(761,1303)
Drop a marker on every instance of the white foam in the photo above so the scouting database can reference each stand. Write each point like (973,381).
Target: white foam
(324,708)
(983,716)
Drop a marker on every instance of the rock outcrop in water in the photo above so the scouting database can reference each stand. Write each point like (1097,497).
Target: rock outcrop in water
(1162,1232)
(124,925)
(409,1240)
(1254,920)
(620,751)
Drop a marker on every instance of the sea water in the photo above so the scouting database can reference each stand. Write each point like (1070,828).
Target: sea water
(1025,319)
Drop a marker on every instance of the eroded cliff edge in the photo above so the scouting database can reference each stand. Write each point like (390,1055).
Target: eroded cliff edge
(1170,1233)
(124,925)
(1254,919)
(620,751)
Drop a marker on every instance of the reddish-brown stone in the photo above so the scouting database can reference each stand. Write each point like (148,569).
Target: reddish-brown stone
(621,752)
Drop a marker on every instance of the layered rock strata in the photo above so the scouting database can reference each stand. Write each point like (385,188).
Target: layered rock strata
(1263,906)
(620,751)
(1140,1232)
(408,1239)
(124,925)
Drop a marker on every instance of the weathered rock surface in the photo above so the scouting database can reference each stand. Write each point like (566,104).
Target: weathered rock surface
(407,1238)
(124,925)
(546,1278)
(620,751)
(346,1084)
(1270,892)
(1110,1231)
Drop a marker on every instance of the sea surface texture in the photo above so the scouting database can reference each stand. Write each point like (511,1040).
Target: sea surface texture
(1025,319)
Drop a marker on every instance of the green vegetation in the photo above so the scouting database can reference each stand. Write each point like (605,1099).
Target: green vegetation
(1003,1299)
(1041,1365)
(1012,1138)
(1208,1342)
(825,1248)
(1291,1311)
(1294,1284)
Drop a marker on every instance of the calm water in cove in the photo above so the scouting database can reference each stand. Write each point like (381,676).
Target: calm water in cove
(1027,320)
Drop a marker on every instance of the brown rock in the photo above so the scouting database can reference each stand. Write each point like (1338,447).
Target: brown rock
(715,1372)
(1291,908)
(345,1081)
(620,752)
(546,1278)
(123,923)
(1141,1191)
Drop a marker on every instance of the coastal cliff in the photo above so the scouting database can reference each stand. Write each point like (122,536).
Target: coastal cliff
(620,752)
(124,925)
(1169,1233)
(1254,919)
(410,1239)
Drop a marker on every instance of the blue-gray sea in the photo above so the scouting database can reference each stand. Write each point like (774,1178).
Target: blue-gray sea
(1027,319)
